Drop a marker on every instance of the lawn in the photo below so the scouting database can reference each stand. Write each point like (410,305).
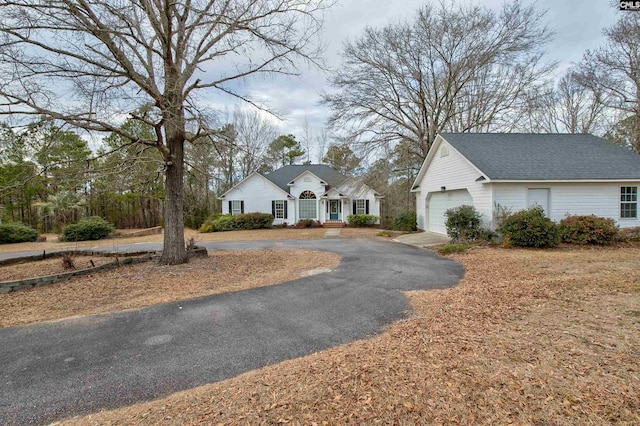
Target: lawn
(527,337)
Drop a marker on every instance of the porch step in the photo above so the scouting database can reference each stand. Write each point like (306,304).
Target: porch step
(333,224)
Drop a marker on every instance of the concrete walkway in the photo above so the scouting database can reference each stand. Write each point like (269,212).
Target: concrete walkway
(332,232)
(422,239)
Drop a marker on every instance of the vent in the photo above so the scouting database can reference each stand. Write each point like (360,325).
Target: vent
(444,151)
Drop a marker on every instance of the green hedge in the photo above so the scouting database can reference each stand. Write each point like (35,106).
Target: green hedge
(361,220)
(530,228)
(253,220)
(16,232)
(463,223)
(89,228)
(406,221)
(227,222)
(588,230)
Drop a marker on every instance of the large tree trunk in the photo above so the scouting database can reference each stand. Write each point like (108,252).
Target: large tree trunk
(174,251)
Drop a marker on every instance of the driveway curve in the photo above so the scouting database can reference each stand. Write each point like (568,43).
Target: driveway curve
(80,365)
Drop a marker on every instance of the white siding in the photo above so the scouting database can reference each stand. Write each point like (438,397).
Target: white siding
(600,199)
(453,172)
(257,193)
(308,182)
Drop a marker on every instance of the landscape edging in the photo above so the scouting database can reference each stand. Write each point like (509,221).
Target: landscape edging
(9,286)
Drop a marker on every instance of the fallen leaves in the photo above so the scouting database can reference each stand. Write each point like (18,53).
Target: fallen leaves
(499,348)
(149,283)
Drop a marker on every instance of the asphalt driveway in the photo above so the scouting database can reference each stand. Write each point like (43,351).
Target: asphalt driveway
(76,366)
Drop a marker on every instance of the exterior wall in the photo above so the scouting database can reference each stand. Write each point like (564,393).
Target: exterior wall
(355,189)
(257,193)
(600,199)
(453,172)
(307,182)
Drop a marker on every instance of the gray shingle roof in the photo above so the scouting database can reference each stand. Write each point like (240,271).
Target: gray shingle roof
(286,174)
(520,156)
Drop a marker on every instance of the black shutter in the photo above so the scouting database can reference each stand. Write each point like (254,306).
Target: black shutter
(242,207)
(354,207)
(273,208)
(367,207)
(230,209)
(285,209)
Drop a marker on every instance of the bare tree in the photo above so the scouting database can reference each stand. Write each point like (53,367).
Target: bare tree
(453,67)
(89,63)
(570,107)
(614,70)
(253,136)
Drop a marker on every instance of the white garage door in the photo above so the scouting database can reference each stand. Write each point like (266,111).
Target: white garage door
(440,202)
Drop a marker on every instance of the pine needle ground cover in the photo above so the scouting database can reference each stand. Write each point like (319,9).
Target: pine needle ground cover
(527,337)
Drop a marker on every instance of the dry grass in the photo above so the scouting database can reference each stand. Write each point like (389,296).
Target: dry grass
(50,266)
(147,284)
(528,337)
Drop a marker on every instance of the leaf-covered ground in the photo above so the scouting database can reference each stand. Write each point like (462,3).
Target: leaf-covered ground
(528,337)
(148,283)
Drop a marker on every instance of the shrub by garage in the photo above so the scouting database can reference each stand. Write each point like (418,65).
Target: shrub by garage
(89,228)
(16,232)
(589,229)
(530,228)
(406,221)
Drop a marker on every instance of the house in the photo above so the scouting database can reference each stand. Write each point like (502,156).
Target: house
(575,174)
(295,192)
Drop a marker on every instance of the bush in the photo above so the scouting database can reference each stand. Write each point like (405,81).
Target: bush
(253,220)
(453,248)
(387,222)
(360,220)
(308,223)
(89,228)
(407,221)
(629,234)
(16,232)
(588,230)
(530,228)
(463,224)
(218,222)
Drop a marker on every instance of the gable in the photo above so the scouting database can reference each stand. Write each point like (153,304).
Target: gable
(443,159)
(355,188)
(307,178)
(252,184)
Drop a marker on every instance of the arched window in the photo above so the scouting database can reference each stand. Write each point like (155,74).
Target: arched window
(307,205)
(307,195)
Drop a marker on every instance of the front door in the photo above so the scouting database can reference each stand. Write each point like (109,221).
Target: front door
(333,209)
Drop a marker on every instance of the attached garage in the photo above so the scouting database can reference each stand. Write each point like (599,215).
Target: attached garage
(439,202)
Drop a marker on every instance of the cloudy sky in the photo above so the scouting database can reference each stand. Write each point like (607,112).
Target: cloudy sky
(577,26)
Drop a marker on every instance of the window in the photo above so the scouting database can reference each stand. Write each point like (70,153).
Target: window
(236,207)
(360,207)
(628,202)
(307,204)
(279,209)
